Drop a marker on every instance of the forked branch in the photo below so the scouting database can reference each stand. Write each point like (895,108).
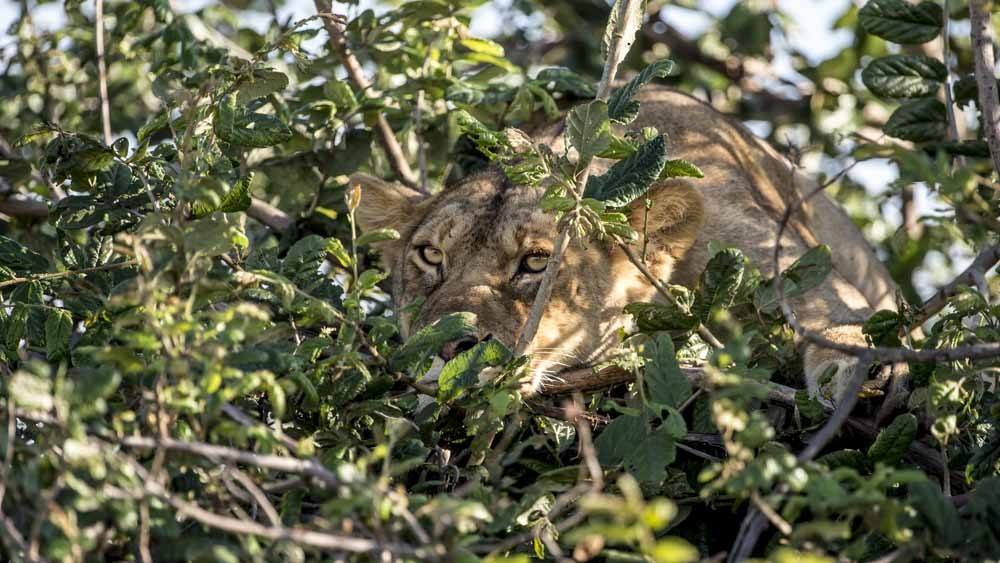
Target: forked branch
(386,137)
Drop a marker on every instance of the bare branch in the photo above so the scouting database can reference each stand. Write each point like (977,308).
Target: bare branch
(102,71)
(986,83)
(386,137)
(310,467)
(983,263)
(269,215)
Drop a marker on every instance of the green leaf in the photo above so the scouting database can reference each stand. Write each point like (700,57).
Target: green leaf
(720,282)
(809,408)
(629,179)
(462,371)
(653,317)
(484,46)
(665,382)
(31,391)
(20,258)
(937,512)
(806,273)
(377,235)
(902,22)
(648,460)
(58,328)
(238,197)
(236,126)
(680,168)
(261,82)
(430,339)
(619,439)
(561,79)
(588,129)
(893,441)
(919,121)
(882,328)
(904,76)
(340,93)
(621,107)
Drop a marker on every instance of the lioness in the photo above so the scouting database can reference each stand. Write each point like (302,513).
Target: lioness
(482,245)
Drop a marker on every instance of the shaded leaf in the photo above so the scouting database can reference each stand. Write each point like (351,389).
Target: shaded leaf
(904,76)
(902,22)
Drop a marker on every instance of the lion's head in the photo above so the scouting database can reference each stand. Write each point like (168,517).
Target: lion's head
(481,246)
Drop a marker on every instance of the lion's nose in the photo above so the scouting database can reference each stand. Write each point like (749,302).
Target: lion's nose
(456,347)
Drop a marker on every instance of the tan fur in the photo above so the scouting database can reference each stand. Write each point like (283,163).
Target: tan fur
(485,226)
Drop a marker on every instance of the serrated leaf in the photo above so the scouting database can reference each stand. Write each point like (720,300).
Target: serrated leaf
(665,382)
(234,125)
(619,438)
(20,258)
(894,440)
(629,179)
(484,46)
(58,328)
(919,121)
(261,82)
(430,339)
(561,79)
(902,22)
(462,371)
(679,168)
(621,107)
(377,235)
(904,76)
(648,460)
(588,129)
(653,317)
(720,282)
(937,512)
(882,328)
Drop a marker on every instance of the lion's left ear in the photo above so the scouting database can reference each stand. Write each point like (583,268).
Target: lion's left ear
(387,205)
(674,219)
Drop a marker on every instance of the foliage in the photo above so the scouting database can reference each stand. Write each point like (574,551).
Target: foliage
(184,378)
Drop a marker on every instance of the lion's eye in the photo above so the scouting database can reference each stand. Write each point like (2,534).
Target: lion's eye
(534,263)
(431,255)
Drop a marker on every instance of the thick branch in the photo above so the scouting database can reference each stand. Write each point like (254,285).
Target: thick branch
(385,134)
(986,83)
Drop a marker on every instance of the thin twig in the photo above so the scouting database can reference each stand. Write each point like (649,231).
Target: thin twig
(258,495)
(311,538)
(703,331)
(623,37)
(102,72)
(983,263)
(338,44)
(986,82)
(55,275)
(311,468)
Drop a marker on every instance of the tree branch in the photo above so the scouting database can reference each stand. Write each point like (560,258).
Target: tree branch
(986,83)
(310,467)
(983,263)
(386,137)
(102,71)
(628,11)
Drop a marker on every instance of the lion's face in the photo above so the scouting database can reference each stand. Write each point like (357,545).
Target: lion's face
(481,247)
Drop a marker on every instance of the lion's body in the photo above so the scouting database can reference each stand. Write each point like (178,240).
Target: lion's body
(485,225)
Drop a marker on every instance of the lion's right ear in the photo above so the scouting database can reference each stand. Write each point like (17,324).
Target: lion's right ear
(387,205)
(384,204)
